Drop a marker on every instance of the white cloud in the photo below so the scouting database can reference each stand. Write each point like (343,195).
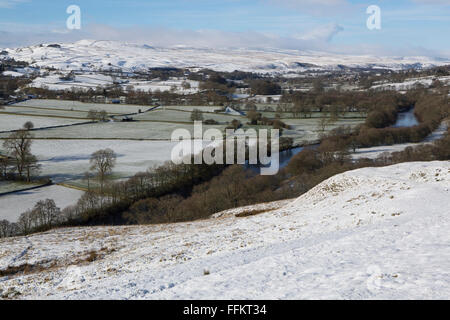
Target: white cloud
(316,39)
(322,33)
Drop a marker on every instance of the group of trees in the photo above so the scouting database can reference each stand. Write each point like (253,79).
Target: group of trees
(18,162)
(46,215)
(233,188)
(43,216)
(337,102)
(265,87)
(256,118)
(107,207)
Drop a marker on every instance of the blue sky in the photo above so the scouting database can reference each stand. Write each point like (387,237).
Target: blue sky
(409,27)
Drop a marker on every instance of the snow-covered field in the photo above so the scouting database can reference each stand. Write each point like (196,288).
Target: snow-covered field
(308,130)
(11,206)
(175,85)
(367,234)
(64,160)
(65,105)
(13,122)
(91,80)
(53,82)
(90,55)
(29,112)
(118,130)
(183,116)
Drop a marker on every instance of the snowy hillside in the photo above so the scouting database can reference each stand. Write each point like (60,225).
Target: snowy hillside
(369,233)
(90,54)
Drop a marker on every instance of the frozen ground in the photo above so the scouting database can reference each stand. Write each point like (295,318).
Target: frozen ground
(367,234)
(89,55)
(65,105)
(169,114)
(11,206)
(29,112)
(308,130)
(91,80)
(64,160)
(14,122)
(145,130)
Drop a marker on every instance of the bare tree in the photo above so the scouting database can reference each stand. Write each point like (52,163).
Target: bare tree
(5,166)
(324,123)
(31,165)
(25,222)
(5,229)
(18,146)
(103,162)
(46,213)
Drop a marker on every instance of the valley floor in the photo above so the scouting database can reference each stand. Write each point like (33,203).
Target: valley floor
(373,233)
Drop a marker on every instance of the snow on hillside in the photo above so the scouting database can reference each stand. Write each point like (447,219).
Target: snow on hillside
(412,83)
(90,55)
(373,233)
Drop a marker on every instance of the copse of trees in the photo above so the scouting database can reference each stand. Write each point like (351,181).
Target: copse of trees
(234,187)
(382,107)
(44,215)
(264,87)
(107,207)
(19,162)
(7,229)
(217,78)
(382,117)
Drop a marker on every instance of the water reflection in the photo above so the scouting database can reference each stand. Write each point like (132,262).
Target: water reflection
(406,119)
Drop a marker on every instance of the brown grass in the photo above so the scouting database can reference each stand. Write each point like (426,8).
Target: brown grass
(251,213)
